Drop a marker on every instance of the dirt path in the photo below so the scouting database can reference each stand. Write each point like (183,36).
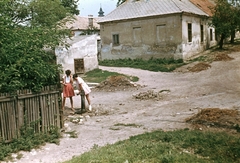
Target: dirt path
(181,95)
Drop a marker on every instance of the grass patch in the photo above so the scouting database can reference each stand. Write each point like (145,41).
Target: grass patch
(29,140)
(98,75)
(163,65)
(168,147)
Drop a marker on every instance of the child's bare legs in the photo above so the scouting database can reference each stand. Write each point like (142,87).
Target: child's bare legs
(71,101)
(89,102)
(64,101)
(88,99)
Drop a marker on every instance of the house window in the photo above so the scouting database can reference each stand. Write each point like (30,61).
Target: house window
(189,32)
(211,35)
(202,33)
(115,39)
(137,32)
(161,33)
(79,66)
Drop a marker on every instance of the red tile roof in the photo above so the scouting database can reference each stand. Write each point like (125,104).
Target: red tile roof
(204,5)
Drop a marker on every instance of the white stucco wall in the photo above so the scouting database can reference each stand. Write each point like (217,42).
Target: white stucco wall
(81,47)
(196,46)
(174,41)
(157,37)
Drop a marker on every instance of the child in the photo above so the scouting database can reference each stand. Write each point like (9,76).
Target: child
(83,86)
(68,90)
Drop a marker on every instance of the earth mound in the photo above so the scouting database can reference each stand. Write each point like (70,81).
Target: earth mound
(222,57)
(216,118)
(117,82)
(199,67)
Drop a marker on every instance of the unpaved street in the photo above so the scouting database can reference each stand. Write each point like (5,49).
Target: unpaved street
(182,95)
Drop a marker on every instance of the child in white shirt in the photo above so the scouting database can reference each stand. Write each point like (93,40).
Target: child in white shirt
(83,86)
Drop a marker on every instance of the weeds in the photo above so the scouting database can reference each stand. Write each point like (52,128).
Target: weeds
(164,65)
(168,147)
(28,140)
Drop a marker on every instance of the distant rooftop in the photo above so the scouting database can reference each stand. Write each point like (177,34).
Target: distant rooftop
(82,23)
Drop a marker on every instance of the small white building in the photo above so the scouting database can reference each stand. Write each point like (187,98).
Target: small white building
(81,56)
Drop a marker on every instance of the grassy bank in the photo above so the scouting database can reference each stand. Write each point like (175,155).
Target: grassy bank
(163,65)
(181,146)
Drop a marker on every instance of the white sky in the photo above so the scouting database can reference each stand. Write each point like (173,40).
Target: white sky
(92,7)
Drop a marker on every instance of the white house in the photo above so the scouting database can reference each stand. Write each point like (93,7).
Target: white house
(81,56)
(147,29)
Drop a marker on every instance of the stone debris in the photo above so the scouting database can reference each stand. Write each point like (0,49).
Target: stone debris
(150,94)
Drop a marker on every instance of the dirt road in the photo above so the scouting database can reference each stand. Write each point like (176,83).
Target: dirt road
(180,95)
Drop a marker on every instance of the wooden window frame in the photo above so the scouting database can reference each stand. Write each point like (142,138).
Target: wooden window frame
(211,34)
(189,32)
(202,32)
(115,38)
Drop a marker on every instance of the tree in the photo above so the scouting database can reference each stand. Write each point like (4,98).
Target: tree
(46,12)
(220,20)
(71,6)
(225,20)
(235,21)
(27,41)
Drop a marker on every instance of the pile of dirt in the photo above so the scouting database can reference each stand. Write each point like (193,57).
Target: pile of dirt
(199,67)
(217,118)
(114,83)
(222,57)
(150,94)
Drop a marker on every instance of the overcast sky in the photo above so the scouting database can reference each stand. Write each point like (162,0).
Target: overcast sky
(92,7)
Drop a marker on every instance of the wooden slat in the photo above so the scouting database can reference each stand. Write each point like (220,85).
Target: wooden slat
(2,124)
(44,105)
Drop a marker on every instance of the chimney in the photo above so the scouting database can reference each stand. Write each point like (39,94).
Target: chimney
(90,21)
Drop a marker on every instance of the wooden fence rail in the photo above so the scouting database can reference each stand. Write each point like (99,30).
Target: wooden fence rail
(41,110)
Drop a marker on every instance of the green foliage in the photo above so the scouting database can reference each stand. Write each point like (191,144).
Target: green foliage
(28,140)
(29,33)
(71,6)
(170,147)
(225,19)
(24,62)
(164,65)
(46,13)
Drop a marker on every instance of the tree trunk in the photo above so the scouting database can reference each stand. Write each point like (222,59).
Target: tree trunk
(221,41)
(232,36)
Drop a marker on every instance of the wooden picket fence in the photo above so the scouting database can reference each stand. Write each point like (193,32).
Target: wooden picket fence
(40,110)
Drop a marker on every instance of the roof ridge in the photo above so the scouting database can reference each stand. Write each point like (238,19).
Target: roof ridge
(176,5)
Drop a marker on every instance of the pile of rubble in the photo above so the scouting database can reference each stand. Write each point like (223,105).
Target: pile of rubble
(113,83)
(150,94)
(218,118)
(199,67)
(222,57)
